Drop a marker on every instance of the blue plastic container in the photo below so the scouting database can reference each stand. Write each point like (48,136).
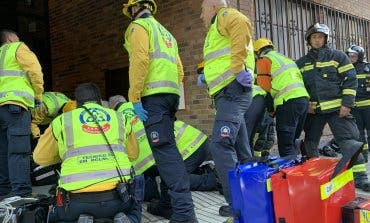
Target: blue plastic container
(251,194)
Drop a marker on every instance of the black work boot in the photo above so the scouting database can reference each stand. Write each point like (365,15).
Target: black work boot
(225,211)
(327,151)
(361,181)
(156,208)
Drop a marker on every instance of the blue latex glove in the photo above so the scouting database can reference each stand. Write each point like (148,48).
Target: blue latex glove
(201,81)
(245,78)
(38,104)
(140,111)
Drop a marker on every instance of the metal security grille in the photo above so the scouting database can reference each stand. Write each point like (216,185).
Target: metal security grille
(285,22)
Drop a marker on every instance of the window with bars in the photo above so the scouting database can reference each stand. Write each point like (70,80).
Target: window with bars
(285,22)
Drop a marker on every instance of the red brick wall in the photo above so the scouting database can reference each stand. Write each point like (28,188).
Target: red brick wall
(359,8)
(182,18)
(86,40)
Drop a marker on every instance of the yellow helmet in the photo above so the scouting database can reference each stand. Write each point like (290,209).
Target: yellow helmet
(261,43)
(200,67)
(130,3)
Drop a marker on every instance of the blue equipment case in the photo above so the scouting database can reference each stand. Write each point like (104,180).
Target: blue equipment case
(250,187)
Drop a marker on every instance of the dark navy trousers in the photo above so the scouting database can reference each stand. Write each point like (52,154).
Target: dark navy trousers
(254,116)
(290,119)
(15,150)
(230,142)
(160,132)
(362,116)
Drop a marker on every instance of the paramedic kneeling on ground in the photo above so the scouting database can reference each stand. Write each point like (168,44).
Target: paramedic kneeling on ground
(89,143)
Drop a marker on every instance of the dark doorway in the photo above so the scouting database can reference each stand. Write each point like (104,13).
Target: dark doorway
(116,82)
(8,15)
(30,20)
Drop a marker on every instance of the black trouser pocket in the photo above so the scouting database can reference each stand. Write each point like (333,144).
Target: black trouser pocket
(158,130)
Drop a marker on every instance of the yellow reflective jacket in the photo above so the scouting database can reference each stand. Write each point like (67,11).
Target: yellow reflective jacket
(220,53)
(87,159)
(287,82)
(162,74)
(188,140)
(14,81)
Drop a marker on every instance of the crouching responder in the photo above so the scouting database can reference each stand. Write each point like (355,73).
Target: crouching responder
(96,173)
(52,106)
(192,145)
(362,100)
(48,175)
(281,77)
(331,81)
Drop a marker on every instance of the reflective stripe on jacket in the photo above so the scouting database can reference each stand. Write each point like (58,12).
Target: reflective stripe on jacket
(257,90)
(330,79)
(363,90)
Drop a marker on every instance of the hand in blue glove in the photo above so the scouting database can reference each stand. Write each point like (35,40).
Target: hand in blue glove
(201,81)
(245,78)
(38,104)
(140,111)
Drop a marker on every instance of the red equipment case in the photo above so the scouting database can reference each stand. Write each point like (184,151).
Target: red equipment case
(305,193)
(357,211)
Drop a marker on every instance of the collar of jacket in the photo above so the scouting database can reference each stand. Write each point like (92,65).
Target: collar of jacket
(315,52)
(266,51)
(358,63)
(146,15)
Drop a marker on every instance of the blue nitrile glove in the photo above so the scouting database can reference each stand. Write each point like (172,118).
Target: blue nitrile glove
(38,104)
(140,111)
(245,78)
(201,81)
